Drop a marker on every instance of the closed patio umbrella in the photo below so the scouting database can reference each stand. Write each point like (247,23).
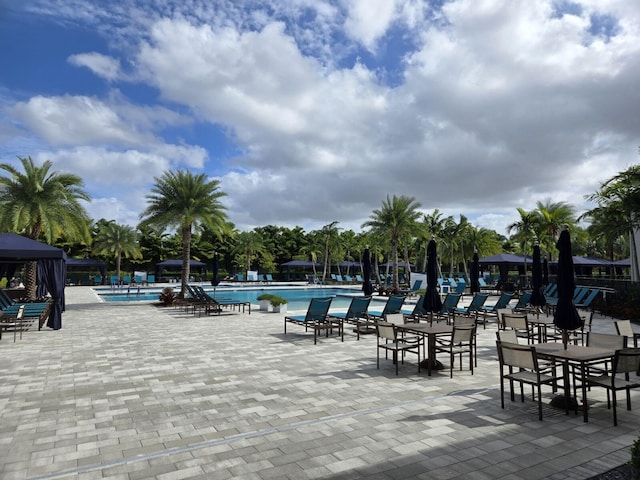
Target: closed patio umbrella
(432,301)
(475,273)
(545,272)
(566,316)
(537,297)
(367,288)
(215,279)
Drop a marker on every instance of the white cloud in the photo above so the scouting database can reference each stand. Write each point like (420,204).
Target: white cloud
(501,104)
(102,65)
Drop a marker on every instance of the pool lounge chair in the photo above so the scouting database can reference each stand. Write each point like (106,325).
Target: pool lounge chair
(393,305)
(488,311)
(356,314)
(317,319)
(477,302)
(414,288)
(32,311)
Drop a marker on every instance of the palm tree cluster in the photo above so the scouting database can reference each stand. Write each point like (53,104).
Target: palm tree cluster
(47,205)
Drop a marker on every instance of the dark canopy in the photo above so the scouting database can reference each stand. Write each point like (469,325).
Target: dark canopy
(504,259)
(87,263)
(177,265)
(51,268)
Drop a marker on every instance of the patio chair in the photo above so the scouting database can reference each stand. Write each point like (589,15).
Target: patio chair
(624,328)
(32,311)
(356,314)
(15,323)
(393,305)
(460,342)
(317,319)
(521,364)
(449,306)
(626,361)
(517,322)
(389,341)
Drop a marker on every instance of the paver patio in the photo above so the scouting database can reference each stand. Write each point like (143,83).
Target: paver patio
(137,391)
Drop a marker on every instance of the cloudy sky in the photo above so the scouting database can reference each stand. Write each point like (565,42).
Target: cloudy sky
(312,111)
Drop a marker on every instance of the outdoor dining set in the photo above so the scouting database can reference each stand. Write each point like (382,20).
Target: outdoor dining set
(530,349)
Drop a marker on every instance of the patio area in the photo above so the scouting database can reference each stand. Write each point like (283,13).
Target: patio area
(137,391)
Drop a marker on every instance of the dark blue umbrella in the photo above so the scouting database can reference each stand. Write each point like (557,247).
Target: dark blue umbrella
(367,288)
(566,316)
(432,301)
(537,297)
(475,273)
(215,280)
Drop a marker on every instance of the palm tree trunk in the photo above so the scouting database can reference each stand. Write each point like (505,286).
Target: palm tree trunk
(30,277)
(186,257)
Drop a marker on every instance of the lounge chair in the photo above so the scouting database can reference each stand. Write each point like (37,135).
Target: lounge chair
(523,301)
(393,305)
(317,318)
(492,310)
(32,311)
(269,278)
(151,279)
(449,306)
(359,278)
(414,288)
(593,293)
(417,310)
(356,314)
(218,303)
(477,302)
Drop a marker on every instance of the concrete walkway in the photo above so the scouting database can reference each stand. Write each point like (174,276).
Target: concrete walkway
(138,391)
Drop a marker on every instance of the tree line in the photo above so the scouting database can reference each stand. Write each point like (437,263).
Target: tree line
(185,218)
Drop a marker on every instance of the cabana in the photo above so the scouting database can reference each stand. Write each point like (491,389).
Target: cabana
(51,273)
(87,264)
(176,265)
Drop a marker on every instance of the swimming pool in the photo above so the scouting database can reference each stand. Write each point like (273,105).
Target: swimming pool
(298,297)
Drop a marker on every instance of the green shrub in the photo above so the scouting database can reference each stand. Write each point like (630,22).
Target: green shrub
(265,296)
(276,301)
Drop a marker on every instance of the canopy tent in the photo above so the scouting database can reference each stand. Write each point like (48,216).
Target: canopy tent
(51,272)
(304,265)
(177,265)
(505,258)
(87,264)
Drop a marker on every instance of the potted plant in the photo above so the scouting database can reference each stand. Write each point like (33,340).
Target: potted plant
(265,301)
(279,304)
(167,296)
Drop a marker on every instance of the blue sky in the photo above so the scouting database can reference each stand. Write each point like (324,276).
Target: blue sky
(312,111)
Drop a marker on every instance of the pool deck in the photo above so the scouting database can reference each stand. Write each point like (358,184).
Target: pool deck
(138,391)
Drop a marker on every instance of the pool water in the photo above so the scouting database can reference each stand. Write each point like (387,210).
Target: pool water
(298,297)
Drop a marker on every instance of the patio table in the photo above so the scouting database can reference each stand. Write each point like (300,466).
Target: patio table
(429,332)
(576,355)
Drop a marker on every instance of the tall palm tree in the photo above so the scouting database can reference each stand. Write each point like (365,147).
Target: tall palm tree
(331,234)
(551,218)
(40,202)
(249,244)
(184,200)
(116,240)
(397,218)
(619,199)
(524,230)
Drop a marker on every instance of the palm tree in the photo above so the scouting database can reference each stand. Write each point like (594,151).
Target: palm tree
(249,244)
(551,218)
(524,230)
(116,240)
(40,202)
(618,205)
(184,201)
(398,218)
(331,236)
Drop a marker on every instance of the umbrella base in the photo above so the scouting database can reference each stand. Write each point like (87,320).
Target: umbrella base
(559,401)
(365,331)
(435,364)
